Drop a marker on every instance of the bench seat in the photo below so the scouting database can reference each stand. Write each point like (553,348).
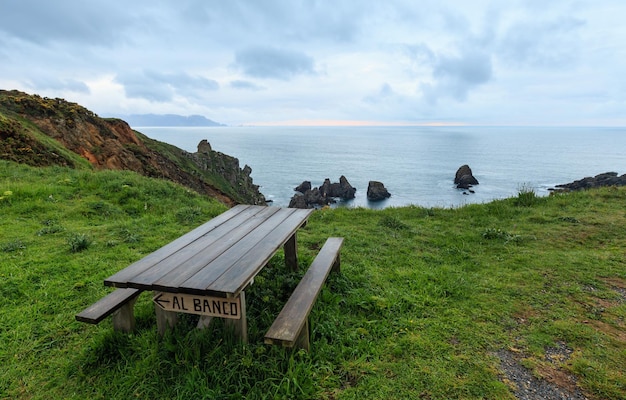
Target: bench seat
(121,300)
(290,329)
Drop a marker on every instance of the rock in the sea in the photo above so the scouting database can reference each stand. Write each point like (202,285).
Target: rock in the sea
(326,188)
(303,187)
(298,201)
(344,190)
(308,197)
(605,179)
(464,179)
(315,196)
(376,191)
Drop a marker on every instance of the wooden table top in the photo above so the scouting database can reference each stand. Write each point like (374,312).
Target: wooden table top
(220,257)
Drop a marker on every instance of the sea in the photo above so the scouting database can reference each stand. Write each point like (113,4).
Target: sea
(417,165)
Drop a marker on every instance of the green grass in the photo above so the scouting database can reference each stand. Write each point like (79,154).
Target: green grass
(424,300)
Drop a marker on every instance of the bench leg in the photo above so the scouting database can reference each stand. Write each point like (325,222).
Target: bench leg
(337,264)
(291,253)
(124,317)
(303,339)
(240,326)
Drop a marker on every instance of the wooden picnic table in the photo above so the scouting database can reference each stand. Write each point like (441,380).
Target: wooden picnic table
(206,270)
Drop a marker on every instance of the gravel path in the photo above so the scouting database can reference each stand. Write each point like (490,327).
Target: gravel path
(526,386)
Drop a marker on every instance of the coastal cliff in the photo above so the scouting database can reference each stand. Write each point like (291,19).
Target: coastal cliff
(42,132)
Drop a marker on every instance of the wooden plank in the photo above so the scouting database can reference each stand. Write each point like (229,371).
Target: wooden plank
(288,326)
(121,278)
(107,305)
(235,279)
(184,271)
(190,259)
(199,282)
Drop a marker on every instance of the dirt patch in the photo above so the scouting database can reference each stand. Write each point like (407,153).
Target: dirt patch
(619,285)
(523,314)
(617,333)
(605,320)
(615,281)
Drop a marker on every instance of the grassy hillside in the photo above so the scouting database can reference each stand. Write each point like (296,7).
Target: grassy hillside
(21,141)
(431,303)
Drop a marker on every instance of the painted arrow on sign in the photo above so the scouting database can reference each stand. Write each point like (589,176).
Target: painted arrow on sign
(201,305)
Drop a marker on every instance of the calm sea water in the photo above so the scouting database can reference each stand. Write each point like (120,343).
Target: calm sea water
(416,164)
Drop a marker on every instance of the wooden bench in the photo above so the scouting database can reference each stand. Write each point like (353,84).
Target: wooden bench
(291,327)
(120,303)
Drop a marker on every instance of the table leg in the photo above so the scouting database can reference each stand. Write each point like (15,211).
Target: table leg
(291,253)
(164,319)
(204,322)
(240,326)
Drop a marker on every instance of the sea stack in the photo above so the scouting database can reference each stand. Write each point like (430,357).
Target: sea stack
(376,191)
(464,179)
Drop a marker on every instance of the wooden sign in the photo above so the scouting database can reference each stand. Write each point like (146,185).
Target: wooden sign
(201,305)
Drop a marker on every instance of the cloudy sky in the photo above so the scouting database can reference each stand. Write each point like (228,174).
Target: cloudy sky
(526,62)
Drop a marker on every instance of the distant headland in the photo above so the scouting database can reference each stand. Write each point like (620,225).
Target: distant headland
(167,120)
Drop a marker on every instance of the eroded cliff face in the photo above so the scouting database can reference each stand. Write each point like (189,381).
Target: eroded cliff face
(112,144)
(16,144)
(227,167)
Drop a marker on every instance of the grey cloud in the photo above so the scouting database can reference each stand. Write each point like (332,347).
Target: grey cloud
(270,62)
(142,89)
(419,54)
(161,87)
(541,43)
(453,76)
(42,22)
(70,85)
(246,85)
(470,68)
(292,21)
(384,92)
(456,76)
(185,83)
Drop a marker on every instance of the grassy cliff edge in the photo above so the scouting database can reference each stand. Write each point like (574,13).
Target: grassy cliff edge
(431,303)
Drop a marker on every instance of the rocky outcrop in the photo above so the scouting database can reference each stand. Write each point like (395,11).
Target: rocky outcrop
(376,191)
(227,167)
(327,193)
(204,147)
(604,179)
(464,179)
